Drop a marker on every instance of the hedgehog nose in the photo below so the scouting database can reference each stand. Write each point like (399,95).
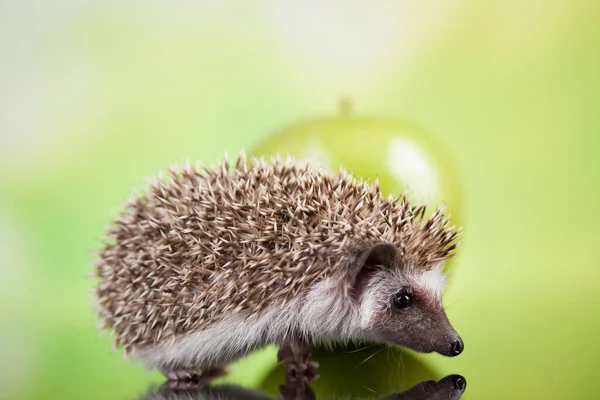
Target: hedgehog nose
(457,347)
(460,383)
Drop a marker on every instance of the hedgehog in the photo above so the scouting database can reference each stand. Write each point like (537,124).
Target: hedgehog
(208,264)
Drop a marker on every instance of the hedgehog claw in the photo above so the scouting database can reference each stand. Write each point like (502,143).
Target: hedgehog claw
(182,384)
(187,376)
(181,375)
(311,370)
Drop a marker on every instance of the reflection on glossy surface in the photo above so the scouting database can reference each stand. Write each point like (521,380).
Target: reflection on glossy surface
(204,392)
(450,388)
(361,371)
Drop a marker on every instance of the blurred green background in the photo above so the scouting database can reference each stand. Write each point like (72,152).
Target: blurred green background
(95,96)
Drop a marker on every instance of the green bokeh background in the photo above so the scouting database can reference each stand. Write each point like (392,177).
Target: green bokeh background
(94,97)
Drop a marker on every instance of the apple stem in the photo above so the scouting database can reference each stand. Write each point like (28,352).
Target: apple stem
(345,106)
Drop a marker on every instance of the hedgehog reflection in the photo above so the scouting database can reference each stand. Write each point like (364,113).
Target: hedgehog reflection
(451,387)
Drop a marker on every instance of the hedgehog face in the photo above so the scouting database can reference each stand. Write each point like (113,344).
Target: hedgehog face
(402,304)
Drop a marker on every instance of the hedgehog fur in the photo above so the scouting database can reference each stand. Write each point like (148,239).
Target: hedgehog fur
(204,243)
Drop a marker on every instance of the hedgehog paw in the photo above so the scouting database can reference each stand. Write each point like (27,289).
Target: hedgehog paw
(302,371)
(187,376)
(183,375)
(171,385)
(295,357)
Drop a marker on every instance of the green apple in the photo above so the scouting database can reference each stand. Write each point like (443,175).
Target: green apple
(400,153)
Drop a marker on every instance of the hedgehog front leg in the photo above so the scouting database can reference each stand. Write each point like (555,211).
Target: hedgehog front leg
(295,355)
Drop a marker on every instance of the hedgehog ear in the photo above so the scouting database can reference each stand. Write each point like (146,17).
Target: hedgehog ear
(373,255)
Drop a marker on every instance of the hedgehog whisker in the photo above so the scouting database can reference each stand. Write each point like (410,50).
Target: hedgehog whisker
(359,350)
(369,389)
(368,358)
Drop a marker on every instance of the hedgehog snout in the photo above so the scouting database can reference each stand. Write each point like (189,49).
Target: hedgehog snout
(455,347)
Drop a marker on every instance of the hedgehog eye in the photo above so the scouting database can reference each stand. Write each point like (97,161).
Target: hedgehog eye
(403,299)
